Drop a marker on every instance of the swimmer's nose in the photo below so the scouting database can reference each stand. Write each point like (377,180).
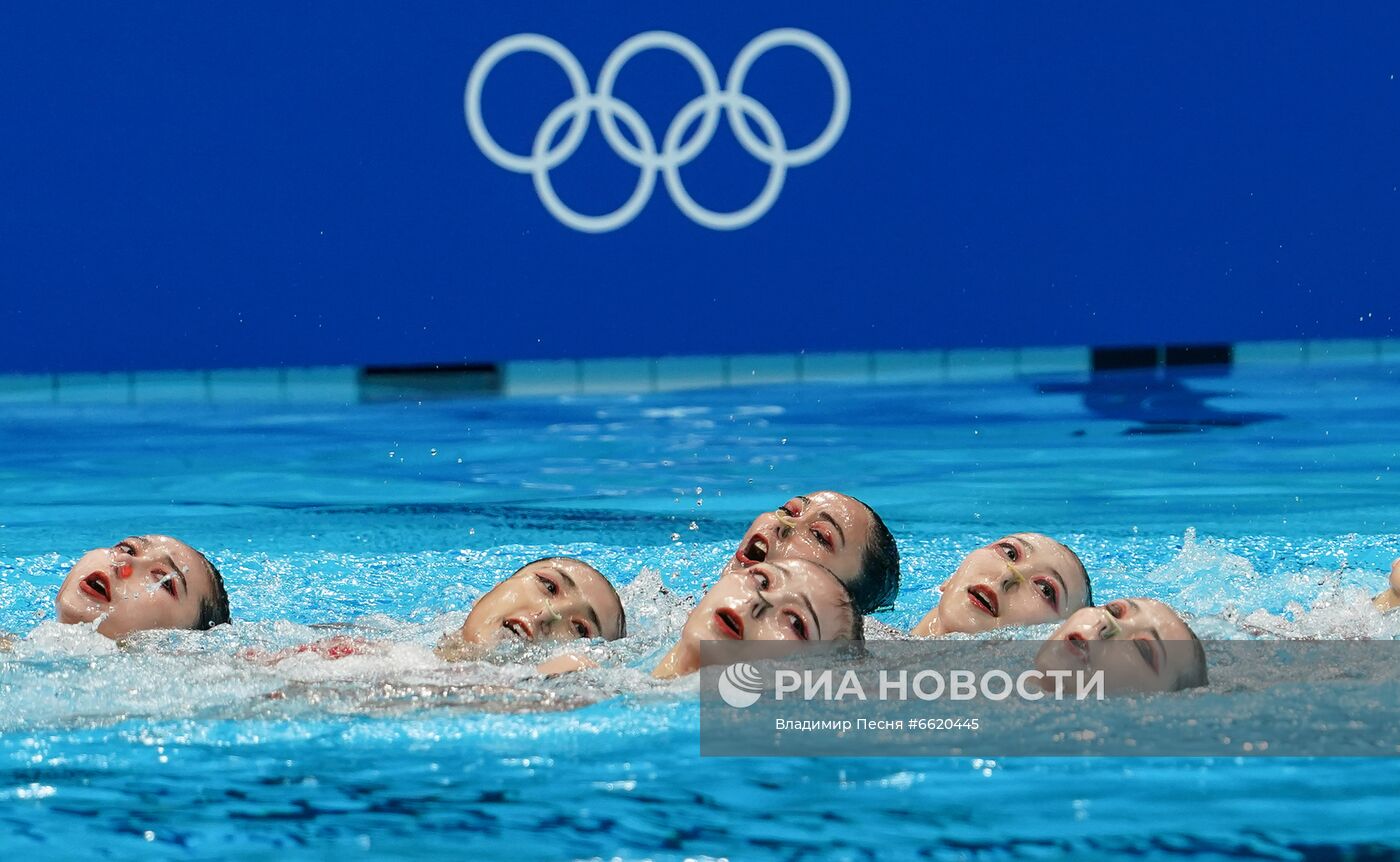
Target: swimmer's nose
(1107,628)
(1011,578)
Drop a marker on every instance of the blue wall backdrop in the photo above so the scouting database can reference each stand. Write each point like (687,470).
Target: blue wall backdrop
(188,185)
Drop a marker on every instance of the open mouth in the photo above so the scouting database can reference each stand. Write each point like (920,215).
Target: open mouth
(755,550)
(1077,645)
(984,600)
(518,627)
(730,624)
(98,586)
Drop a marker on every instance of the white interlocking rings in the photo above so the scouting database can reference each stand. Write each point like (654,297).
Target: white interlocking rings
(675,152)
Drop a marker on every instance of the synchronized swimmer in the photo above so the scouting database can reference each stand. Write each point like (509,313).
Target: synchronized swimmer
(810,570)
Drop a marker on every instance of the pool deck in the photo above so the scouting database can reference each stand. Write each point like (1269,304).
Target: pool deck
(350,384)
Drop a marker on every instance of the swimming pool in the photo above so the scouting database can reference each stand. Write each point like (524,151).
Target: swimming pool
(1263,490)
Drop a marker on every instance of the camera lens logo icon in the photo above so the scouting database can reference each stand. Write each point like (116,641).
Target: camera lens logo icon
(741,685)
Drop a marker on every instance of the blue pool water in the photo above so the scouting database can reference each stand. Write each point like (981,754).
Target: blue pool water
(1270,498)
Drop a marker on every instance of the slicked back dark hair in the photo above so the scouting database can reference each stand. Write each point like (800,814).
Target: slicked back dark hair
(878,585)
(213,611)
(1088,584)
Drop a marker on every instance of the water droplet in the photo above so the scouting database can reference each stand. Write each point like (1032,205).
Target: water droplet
(391,453)
(471,531)
(432,452)
(675,537)
(694,526)
(699,491)
(699,502)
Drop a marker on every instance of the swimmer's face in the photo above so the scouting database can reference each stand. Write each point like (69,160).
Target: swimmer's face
(138,584)
(557,599)
(1018,580)
(826,528)
(773,601)
(1141,645)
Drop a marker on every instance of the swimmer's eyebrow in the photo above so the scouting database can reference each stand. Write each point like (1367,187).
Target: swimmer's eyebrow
(826,516)
(592,613)
(816,620)
(143,546)
(1152,631)
(1027,548)
(175,570)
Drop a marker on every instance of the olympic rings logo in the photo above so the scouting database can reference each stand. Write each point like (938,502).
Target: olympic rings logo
(674,152)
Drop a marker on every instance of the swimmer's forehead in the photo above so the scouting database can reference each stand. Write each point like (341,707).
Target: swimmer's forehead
(1164,618)
(803,570)
(176,552)
(575,572)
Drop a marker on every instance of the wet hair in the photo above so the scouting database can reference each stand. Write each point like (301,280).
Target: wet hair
(1195,676)
(877,587)
(1088,585)
(848,604)
(213,610)
(621,611)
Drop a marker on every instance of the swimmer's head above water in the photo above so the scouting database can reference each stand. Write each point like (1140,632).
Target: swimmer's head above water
(1018,580)
(553,599)
(143,583)
(835,531)
(1141,645)
(1389,598)
(791,600)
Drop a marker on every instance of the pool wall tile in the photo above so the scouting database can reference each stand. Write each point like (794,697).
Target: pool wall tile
(96,388)
(910,366)
(541,377)
(690,372)
(750,369)
(1053,360)
(978,364)
(171,387)
(28,388)
(241,386)
(614,376)
(836,367)
(1270,353)
(331,384)
(1344,352)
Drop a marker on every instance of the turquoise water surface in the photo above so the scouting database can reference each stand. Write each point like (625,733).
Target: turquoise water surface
(1253,499)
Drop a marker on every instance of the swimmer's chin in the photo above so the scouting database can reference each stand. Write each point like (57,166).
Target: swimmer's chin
(454,647)
(74,609)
